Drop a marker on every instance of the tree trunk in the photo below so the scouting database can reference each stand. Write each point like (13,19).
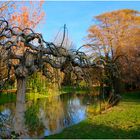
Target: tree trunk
(20,106)
(116,85)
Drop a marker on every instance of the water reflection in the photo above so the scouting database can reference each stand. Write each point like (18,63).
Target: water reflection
(48,116)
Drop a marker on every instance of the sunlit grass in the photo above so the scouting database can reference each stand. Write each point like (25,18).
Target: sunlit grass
(11,97)
(31,96)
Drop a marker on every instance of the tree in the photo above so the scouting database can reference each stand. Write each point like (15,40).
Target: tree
(111,38)
(27,14)
(34,57)
(7,8)
(24,15)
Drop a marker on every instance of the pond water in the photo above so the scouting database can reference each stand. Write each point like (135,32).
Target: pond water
(48,116)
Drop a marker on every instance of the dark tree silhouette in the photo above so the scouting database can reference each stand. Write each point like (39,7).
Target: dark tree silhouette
(27,52)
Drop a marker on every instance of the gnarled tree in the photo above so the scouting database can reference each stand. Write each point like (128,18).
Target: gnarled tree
(23,15)
(27,52)
(114,38)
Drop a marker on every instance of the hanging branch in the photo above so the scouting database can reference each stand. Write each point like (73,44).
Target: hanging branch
(25,44)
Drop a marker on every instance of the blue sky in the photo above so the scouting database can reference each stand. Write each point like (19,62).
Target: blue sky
(78,16)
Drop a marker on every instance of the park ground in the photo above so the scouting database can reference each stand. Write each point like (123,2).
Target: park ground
(121,121)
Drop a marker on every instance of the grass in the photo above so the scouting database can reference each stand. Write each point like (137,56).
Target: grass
(121,121)
(11,97)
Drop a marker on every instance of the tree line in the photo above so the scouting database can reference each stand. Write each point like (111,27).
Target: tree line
(113,38)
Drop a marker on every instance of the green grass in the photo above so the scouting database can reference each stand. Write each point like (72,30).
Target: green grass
(121,121)
(11,97)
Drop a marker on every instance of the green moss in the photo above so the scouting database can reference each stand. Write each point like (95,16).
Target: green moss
(121,121)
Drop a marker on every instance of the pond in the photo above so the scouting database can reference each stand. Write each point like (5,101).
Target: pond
(48,116)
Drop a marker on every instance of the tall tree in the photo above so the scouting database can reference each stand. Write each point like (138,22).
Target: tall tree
(113,38)
(23,15)
(6,9)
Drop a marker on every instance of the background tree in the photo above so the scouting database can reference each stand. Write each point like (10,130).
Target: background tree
(27,14)
(6,9)
(24,15)
(113,38)
(67,78)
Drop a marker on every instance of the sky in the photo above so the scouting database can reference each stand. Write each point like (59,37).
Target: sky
(78,17)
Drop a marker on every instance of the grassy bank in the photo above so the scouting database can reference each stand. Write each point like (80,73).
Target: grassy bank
(121,121)
(11,97)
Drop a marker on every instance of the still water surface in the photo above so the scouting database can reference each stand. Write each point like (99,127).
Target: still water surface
(48,116)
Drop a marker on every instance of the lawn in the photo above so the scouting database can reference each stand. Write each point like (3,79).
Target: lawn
(121,121)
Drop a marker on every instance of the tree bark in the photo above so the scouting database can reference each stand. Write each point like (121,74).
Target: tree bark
(116,85)
(20,106)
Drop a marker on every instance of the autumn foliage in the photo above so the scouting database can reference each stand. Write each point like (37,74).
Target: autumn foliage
(21,14)
(115,36)
(28,15)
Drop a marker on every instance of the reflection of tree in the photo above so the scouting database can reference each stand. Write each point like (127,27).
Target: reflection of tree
(19,126)
(52,113)
(7,112)
(74,110)
(32,119)
(4,119)
(64,98)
